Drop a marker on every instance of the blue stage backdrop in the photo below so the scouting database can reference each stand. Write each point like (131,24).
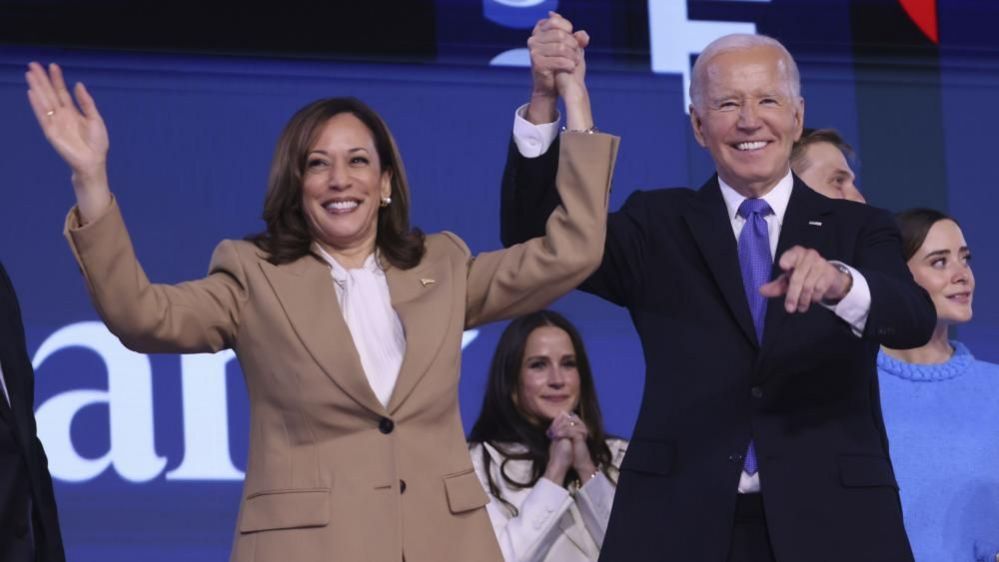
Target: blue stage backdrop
(148,451)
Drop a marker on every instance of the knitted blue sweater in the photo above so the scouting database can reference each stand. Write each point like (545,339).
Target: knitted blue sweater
(943,429)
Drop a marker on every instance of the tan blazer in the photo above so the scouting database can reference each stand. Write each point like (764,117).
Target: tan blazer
(332,474)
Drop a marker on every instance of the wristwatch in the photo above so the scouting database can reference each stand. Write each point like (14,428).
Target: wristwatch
(849,283)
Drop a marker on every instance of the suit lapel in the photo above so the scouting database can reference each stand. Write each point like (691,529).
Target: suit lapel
(422,297)
(305,290)
(711,227)
(803,225)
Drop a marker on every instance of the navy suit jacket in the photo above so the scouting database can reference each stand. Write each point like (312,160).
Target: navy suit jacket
(24,473)
(808,395)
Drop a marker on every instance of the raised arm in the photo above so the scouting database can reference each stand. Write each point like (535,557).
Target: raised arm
(529,276)
(529,195)
(77,135)
(191,317)
(198,316)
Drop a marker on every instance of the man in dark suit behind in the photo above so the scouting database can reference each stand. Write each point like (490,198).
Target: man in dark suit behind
(760,434)
(29,524)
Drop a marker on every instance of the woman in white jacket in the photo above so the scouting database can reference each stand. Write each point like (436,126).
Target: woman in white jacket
(539,445)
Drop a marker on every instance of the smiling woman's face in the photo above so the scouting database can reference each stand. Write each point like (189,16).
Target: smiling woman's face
(942,266)
(343,185)
(549,380)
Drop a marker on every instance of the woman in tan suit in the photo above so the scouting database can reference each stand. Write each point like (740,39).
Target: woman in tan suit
(346,321)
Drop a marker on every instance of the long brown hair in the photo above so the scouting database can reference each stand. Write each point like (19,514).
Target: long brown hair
(287,237)
(501,423)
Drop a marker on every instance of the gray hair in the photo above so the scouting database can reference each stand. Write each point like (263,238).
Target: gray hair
(737,42)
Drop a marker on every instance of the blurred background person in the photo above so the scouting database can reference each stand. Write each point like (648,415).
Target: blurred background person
(821,159)
(539,445)
(347,324)
(941,407)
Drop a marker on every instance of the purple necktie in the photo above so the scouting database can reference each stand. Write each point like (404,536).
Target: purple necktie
(755,261)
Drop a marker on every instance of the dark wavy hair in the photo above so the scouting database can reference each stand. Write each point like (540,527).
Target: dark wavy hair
(915,224)
(501,422)
(287,237)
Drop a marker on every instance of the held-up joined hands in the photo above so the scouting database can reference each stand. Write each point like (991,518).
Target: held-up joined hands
(807,278)
(558,68)
(78,135)
(568,449)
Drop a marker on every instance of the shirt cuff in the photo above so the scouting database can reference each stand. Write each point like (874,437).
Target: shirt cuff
(533,140)
(856,305)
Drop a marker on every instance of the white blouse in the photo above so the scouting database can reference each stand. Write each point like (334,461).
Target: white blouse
(379,338)
(553,524)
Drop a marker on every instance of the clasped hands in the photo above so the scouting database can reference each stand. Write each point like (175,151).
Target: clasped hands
(568,449)
(558,65)
(806,278)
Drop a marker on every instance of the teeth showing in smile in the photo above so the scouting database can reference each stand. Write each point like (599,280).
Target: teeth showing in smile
(340,205)
(754,145)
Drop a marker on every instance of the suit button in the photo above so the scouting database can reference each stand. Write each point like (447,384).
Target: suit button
(402,486)
(757,392)
(735,458)
(386,425)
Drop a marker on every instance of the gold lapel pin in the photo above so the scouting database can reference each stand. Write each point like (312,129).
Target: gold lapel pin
(426,281)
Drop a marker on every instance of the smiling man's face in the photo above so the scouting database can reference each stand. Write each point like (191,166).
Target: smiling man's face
(748,118)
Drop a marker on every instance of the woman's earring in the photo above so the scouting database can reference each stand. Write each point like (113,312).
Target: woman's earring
(386,201)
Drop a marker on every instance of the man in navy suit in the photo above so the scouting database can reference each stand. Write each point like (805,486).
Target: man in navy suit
(760,306)
(29,524)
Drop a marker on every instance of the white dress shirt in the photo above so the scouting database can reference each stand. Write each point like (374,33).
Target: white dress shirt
(534,140)
(378,335)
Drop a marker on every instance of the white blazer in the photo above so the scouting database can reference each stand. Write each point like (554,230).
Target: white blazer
(553,524)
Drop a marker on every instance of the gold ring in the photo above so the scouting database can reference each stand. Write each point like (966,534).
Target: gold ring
(50,113)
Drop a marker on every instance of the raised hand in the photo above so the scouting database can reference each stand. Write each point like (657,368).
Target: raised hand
(78,135)
(807,278)
(555,49)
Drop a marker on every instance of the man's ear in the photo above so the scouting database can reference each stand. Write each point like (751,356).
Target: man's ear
(696,124)
(799,117)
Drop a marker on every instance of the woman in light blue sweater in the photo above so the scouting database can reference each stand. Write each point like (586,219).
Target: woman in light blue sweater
(941,408)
